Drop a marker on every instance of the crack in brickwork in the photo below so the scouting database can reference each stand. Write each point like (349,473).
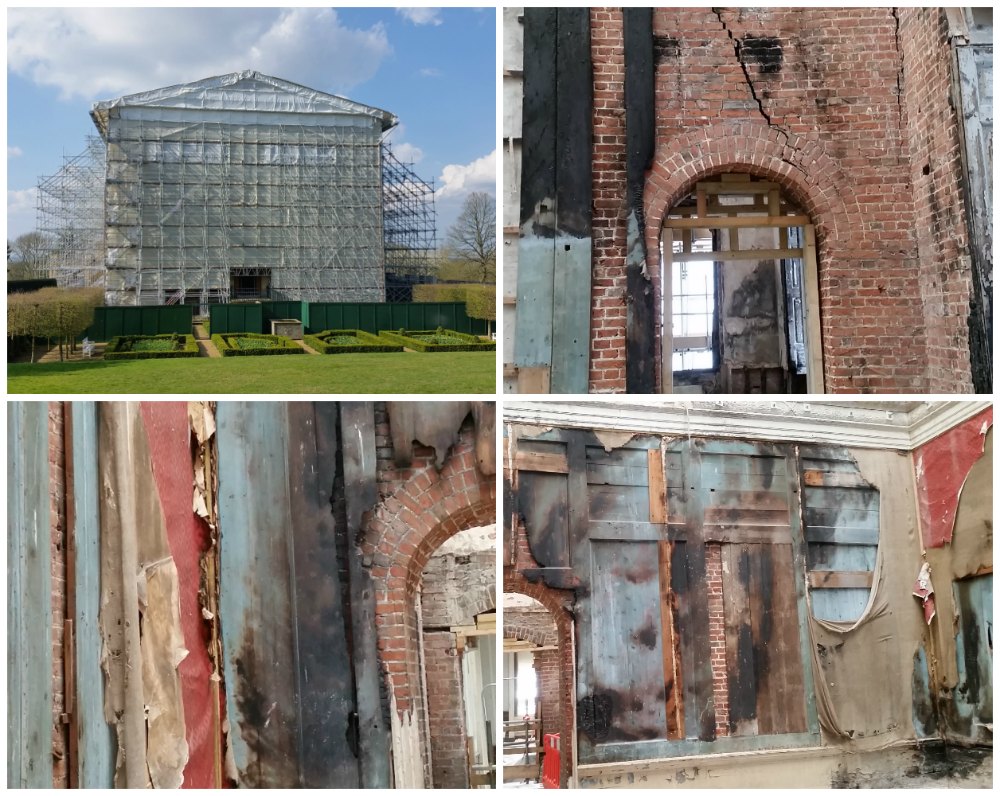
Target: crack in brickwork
(737,49)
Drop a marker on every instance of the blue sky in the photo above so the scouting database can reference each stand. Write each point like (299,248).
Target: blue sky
(435,68)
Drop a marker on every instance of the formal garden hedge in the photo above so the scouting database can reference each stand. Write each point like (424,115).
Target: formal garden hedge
(159,346)
(438,340)
(348,341)
(247,344)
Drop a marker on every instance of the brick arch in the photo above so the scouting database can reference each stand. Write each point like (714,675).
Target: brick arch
(800,166)
(401,534)
(558,603)
(806,174)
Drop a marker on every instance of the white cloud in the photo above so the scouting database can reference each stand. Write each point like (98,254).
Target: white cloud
(430,71)
(403,150)
(408,153)
(459,180)
(21,212)
(101,53)
(14,151)
(421,16)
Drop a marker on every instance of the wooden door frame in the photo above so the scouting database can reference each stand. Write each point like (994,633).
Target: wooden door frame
(698,218)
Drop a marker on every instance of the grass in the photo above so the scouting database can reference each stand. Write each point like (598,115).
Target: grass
(467,372)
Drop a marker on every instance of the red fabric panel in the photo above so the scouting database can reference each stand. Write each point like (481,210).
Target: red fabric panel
(942,466)
(170,448)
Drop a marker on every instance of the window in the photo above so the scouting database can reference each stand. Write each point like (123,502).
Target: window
(693,310)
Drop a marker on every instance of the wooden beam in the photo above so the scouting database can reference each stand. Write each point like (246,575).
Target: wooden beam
(533,380)
(773,203)
(824,478)
(673,677)
(702,203)
(738,222)
(537,462)
(814,336)
(667,328)
(737,188)
(821,579)
(743,254)
(657,488)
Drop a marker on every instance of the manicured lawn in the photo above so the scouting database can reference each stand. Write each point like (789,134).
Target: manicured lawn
(466,372)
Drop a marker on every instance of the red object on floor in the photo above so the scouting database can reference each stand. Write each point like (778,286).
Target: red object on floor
(550,763)
(170,450)
(942,466)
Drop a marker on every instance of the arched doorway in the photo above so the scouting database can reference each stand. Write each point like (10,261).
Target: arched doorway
(438,493)
(531,686)
(740,291)
(557,651)
(456,610)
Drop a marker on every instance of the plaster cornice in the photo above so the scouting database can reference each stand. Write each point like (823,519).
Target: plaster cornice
(851,424)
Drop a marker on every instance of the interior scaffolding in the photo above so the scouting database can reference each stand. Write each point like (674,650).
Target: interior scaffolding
(409,219)
(71,218)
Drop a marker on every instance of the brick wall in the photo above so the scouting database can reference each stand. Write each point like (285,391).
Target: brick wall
(547,669)
(456,586)
(536,626)
(828,124)
(608,314)
(447,719)
(939,207)
(57,523)
(717,637)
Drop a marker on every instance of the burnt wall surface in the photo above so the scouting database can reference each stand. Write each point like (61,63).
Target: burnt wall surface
(816,100)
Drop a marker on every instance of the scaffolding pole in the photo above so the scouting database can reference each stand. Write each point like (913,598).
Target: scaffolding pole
(409,222)
(71,218)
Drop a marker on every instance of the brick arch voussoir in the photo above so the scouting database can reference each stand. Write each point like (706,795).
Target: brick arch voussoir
(800,166)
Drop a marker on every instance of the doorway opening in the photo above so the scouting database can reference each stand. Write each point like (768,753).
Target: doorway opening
(531,689)
(456,615)
(740,298)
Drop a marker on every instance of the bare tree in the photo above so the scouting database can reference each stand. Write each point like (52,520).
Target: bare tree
(28,253)
(473,237)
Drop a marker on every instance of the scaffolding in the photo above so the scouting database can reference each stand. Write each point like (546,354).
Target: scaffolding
(239,187)
(71,218)
(409,219)
(208,212)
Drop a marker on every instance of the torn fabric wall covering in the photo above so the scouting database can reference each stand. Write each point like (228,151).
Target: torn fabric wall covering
(140,614)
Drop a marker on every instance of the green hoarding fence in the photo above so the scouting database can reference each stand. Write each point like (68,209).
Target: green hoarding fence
(368,317)
(232,318)
(115,321)
(387,317)
(284,309)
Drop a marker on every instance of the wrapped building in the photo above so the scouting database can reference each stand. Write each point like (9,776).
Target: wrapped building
(242,186)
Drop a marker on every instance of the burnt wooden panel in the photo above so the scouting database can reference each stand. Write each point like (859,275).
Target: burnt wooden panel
(574,118)
(289,684)
(357,423)
(543,498)
(640,132)
(255,603)
(625,641)
(841,518)
(538,126)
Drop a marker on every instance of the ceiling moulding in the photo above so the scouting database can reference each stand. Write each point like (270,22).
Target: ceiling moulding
(852,425)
